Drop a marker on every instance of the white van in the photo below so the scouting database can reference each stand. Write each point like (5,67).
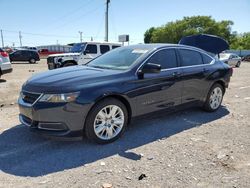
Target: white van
(81,53)
(5,65)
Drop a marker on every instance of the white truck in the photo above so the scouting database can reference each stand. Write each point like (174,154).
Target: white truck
(81,53)
(5,65)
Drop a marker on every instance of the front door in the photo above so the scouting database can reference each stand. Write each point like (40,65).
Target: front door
(157,91)
(91,51)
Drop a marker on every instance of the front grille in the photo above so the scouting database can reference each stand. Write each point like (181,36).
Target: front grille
(30,97)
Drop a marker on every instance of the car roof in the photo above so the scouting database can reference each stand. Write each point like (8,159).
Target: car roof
(29,50)
(164,45)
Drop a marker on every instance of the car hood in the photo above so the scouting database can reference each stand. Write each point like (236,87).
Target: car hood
(209,43)
(67,79)
(64,54)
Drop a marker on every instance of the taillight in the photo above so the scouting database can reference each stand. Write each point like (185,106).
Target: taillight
(4,54)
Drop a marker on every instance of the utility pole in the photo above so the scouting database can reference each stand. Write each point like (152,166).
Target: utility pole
(107,21)
(2,38)
(80,32)
(20,38)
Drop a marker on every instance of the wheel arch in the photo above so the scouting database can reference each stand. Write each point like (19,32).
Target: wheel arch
(119,98)
(69,61)
(222,83)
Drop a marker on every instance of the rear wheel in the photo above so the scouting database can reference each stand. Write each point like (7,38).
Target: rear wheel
(32,60)
(238,64)
(214,98)
(106,121)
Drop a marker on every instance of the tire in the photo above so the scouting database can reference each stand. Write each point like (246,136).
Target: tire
(238,64)
(68,64)
(214,98)
(32,61)
(98,126)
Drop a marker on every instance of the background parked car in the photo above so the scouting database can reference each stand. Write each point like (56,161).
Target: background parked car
(230,59)
(5,65)
(246,58)
(81,53)
(25,55)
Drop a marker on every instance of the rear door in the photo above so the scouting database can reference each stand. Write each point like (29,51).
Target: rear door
(160,90)
(194,73)
(16,56)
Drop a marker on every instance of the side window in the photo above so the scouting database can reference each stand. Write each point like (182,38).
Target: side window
(104,49)
(91,49)
(166,58)
(113,47)
(190,57)
(17,52)
(206,59)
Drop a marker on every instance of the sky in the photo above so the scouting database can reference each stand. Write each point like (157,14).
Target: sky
(59,21)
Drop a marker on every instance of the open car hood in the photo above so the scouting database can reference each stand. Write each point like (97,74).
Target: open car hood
(209,43)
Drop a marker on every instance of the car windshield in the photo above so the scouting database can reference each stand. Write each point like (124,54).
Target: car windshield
(79,47)
(224,56)
(119,59)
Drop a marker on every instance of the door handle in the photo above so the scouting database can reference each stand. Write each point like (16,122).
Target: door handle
(176,74)
(205,70)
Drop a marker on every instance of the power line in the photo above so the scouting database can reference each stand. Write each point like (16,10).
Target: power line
(69,14)
(81,17)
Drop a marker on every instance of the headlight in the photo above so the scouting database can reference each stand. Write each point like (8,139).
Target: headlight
(54,98)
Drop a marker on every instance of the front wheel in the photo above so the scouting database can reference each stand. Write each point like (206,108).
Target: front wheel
(214,98)
(68,64)
(106,121)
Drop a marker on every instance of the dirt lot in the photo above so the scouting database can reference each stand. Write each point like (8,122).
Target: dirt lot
(191,148)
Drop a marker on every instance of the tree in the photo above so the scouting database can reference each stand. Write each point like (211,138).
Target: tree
(148,35)
(172,32)
(240,42)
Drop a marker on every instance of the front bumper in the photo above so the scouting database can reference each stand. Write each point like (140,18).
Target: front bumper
(54,119)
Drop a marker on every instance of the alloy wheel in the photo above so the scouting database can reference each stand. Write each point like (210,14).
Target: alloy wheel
(109,122)
(216,98)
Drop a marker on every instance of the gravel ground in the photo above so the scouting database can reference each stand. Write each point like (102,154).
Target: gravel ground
(190,148)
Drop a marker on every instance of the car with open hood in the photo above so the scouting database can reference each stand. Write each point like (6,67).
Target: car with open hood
(100,98)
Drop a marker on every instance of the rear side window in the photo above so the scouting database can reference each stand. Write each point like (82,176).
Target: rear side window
(91,49)
(104,49)
(190,57)
(206,59)
(166,58)
(1,50)
(113,47)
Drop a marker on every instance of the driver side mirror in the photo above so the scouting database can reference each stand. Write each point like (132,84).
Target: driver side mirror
(151,68)
(85,52)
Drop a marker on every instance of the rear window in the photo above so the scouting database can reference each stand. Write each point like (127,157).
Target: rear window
(190,58)
(104,48)
(206,59)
